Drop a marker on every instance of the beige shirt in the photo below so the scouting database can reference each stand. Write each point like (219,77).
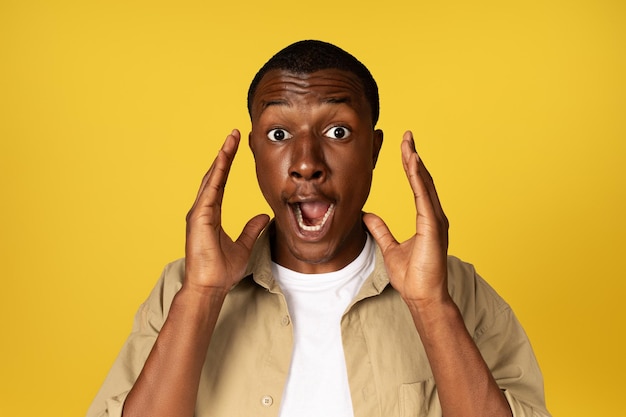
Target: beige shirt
(388,372)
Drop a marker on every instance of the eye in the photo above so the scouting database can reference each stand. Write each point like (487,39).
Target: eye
(276,135)
(338,132)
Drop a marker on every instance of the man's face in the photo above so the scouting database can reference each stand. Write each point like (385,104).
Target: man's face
(315,149)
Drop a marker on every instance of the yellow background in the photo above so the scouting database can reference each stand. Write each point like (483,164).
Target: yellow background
(111,111)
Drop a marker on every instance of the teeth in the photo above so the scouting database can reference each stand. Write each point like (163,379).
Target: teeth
(315,228)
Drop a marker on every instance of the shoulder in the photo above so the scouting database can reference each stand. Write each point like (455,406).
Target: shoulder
(465,283)
(169,283)
(480,305)
(173,276)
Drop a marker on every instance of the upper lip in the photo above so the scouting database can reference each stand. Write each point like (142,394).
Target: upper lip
(316,199)
(298,198)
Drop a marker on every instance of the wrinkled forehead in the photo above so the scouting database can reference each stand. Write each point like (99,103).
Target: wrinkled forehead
(288,88)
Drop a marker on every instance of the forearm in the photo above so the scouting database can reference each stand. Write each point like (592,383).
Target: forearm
(464,381)
(168,383)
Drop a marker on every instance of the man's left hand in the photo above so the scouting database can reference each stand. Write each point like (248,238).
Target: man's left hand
(417,268)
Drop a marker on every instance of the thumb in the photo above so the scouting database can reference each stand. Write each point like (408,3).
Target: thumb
(379,230)
(252,230)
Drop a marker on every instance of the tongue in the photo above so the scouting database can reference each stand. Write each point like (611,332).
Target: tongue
(313,212)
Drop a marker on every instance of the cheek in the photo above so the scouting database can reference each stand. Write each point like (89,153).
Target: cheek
(269,178)
(355,177)
(355,164)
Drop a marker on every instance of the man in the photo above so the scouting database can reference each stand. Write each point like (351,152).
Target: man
(311,314)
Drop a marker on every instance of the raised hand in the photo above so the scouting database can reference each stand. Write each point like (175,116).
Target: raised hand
(417,267)
(213,260)
(213,264)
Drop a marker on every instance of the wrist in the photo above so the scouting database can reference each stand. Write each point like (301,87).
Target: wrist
(432,314)
(429,302)
(204,292)
(198,304)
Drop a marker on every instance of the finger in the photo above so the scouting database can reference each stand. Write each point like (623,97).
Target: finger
(379,230)
(252,230)
(226,156)
(431,190)
(211,189)
(408,156)
(407,147)
(422,184)
(205,178)
(411,164)
(428,205)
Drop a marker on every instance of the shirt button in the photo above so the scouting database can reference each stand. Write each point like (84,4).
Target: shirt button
(266,400)
(285,321)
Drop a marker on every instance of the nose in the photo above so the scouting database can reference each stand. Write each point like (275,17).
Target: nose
(307,159)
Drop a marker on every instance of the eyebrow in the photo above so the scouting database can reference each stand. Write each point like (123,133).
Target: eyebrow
(327,100)
(336,100)
(268,103)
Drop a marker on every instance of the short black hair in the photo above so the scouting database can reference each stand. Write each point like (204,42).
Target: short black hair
(309,56)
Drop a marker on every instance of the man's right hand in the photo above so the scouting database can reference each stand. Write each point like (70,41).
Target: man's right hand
(213,261)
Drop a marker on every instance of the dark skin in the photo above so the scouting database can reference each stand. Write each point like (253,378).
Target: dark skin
(315,150)
(326,140)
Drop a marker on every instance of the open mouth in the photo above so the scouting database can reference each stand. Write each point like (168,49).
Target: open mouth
(312,216)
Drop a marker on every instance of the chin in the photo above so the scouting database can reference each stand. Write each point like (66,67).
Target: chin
(311,255)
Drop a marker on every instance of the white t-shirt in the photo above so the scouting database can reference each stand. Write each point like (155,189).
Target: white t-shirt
(317,384)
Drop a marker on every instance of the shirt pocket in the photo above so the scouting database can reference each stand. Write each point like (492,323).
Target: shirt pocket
(419,399)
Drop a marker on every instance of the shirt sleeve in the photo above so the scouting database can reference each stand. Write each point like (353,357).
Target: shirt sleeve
(507,351)
(148,321)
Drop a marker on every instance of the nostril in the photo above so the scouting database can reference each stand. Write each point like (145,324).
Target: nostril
(316,175)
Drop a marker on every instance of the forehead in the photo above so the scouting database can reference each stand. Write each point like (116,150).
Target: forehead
(281,87)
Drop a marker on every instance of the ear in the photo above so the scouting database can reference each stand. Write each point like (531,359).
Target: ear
(378,143)
(250,144)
